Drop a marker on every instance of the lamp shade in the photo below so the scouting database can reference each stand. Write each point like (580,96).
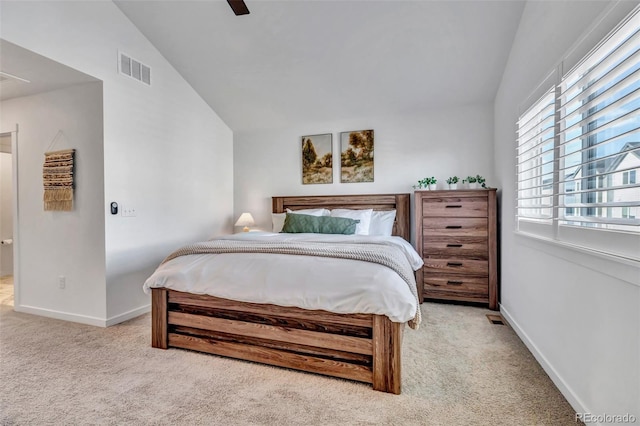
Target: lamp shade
(245,220)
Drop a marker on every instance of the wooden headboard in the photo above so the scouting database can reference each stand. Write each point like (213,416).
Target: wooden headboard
(398,202)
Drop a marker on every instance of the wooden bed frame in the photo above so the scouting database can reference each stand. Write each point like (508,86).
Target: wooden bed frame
(361,347)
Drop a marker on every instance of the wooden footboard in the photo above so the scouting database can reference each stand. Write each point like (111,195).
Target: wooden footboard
(361,347)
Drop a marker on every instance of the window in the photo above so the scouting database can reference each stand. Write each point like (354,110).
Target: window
(579,151)
(629,177)
(628,213)
(536,158)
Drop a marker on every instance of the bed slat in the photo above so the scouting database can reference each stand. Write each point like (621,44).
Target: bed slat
(275,320)
(282,334)
(273,357)
(283,346)
(319,201)
(290,312)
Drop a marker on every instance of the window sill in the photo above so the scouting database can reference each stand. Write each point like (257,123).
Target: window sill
(622,268)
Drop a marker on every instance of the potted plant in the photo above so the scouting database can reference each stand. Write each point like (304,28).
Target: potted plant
(472,181)
(427,183)
(481,181)
(453,182)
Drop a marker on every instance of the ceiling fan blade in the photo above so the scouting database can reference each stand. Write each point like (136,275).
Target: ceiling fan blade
(238,6)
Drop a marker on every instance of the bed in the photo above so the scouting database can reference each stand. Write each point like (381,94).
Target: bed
(358,346)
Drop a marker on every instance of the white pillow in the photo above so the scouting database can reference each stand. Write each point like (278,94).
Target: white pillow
(277,219)
(311,212)
(364,216)
(382,222)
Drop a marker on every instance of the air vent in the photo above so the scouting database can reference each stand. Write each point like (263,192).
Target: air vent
(495,319)
(134,69)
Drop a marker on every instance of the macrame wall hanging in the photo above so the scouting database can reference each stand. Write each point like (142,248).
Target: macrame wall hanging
(58,178)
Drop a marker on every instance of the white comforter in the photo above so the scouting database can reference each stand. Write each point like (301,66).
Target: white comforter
(335,285)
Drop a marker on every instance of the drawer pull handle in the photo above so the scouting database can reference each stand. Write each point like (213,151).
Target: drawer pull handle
(454,227)
(454,245)
(454,264)
(454,282)
(453,207)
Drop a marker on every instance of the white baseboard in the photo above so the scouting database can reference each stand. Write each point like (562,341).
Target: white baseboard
(128,315)
(65,316)
(82,319)
(564,388)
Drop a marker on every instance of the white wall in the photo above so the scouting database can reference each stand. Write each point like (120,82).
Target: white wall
(441,143)
(579,314)
(6,214)
(53,244)
(166,153)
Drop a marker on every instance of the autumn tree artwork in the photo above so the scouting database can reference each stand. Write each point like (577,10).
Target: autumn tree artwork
(356,156)
(317,159)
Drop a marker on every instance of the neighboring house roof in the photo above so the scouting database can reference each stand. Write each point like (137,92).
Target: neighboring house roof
(629,147)
(611,164)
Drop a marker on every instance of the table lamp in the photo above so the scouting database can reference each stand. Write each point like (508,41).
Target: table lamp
(245,220)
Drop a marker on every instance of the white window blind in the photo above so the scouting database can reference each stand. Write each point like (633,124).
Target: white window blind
(536,162)
(578,151)
(599,137)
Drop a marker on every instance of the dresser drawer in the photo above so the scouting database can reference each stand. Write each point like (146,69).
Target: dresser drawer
(461,288)
(455,246)
(454,227)
(454,207)
(456,266)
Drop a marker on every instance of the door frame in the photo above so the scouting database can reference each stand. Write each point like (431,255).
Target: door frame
(16,218)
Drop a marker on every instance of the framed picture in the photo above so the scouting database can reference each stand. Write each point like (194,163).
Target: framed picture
(356,156)
(317,159)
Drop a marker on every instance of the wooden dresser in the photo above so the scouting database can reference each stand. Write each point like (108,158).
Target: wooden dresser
(456,235)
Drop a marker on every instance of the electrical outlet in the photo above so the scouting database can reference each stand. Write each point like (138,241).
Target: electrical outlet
(62,282)
(128,211)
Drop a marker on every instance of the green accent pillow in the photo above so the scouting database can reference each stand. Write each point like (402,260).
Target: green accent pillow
(304,223)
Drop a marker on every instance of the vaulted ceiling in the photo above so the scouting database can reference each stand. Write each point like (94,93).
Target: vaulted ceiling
(318,60)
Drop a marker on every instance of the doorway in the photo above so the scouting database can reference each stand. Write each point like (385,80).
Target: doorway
(7,212)
(33,79)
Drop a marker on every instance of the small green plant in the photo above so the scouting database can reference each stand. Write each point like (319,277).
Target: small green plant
(452,179)
(475,180)
(424,183)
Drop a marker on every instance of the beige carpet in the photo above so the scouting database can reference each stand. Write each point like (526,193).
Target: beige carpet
(459,369)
